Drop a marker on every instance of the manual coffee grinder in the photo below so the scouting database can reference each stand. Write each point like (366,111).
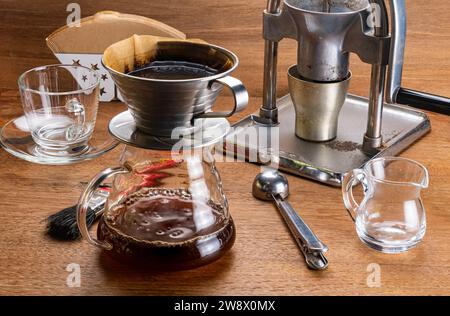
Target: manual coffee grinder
(323,131)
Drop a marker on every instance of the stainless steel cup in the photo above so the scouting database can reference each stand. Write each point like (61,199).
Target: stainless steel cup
(161,105)
(317,106)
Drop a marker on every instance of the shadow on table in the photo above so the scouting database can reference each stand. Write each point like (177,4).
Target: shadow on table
(128,278)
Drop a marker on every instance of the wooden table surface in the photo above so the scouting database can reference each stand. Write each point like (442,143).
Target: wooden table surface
(264,259)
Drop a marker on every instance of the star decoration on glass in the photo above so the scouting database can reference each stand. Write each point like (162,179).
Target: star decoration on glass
(84,78)
(104,77)
(76,62)
(102,91)
(94,67)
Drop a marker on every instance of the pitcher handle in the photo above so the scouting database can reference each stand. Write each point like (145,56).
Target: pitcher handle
(240,95)
(83,204)
(352,178)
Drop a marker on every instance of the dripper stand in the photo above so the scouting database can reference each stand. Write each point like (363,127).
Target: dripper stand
(327,31)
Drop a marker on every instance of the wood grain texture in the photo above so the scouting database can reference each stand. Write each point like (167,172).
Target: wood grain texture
(264,259)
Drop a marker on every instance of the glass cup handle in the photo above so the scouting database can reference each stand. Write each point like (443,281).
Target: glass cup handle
(83,204)
(352,178)
(240,97)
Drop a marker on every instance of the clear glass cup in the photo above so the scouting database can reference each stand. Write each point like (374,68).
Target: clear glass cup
(60,103)
(391,218)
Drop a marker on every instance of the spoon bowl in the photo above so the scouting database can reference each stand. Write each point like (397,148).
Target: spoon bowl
(269,184)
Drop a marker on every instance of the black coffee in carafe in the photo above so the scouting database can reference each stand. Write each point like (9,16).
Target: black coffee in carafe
(166,229)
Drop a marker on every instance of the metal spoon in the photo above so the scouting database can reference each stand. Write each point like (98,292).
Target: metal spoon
(271,185)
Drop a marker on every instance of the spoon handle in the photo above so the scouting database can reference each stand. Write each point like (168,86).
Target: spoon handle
(298,227)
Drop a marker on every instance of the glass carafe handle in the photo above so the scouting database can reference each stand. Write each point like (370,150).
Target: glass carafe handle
(83,204)
(352,178)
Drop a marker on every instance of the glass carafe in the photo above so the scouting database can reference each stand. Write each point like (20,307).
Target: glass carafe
(165,210)
(391,217)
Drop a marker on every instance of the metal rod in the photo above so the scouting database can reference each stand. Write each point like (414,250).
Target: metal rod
(269,111)
(397,54)
(373,137)
(326,6)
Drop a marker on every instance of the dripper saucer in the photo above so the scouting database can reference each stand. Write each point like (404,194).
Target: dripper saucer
(204,132)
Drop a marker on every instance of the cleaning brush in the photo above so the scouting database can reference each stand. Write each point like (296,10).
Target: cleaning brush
(63,225)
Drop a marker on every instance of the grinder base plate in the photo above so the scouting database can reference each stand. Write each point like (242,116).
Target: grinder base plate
(326,162)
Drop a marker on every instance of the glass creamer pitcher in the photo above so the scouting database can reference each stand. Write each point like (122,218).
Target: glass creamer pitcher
(391,217)
(166,210)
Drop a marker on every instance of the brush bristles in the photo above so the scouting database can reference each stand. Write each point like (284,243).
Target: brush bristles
(63,225)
